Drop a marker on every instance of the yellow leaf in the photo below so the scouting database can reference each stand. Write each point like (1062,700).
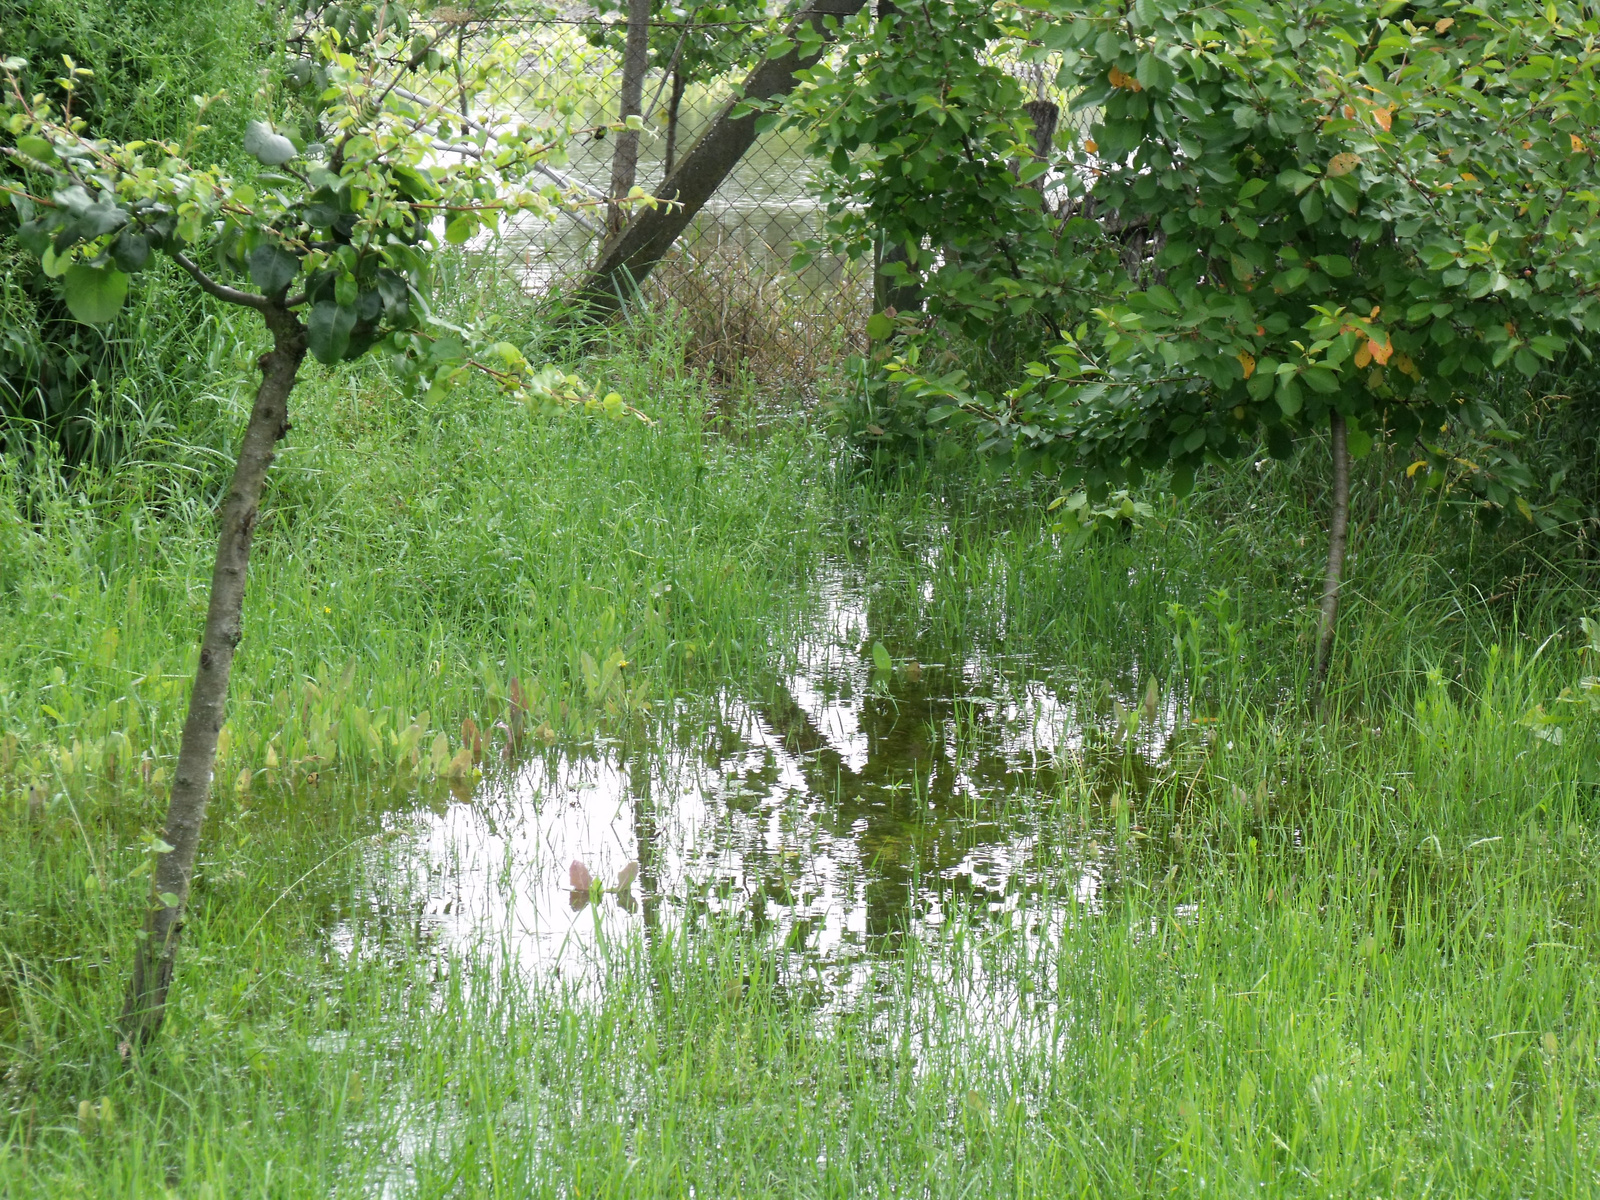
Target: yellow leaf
(1381,350)
(1342,164)
(1469,177)
(1577,144)
(1126,82)
(1364,354)
(1248,363)
(1384,117)
(1415,467)
(1090,145)
(1444,25)
(1522,507)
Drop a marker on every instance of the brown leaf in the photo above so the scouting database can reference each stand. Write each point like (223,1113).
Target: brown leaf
(1343,163)
(626,876)
(582,881)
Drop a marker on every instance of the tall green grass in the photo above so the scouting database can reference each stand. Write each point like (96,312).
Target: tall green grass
(1299,957)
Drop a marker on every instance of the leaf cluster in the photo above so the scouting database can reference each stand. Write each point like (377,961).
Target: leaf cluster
(699,39)
(340,234)
(925,148)
(1352,207)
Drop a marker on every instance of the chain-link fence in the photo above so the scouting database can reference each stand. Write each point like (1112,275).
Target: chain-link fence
(760,210)
(729,269)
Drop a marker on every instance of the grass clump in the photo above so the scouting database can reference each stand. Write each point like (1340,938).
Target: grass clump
(1218,947)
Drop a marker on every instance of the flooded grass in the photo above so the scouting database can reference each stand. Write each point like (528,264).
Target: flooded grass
(965,866)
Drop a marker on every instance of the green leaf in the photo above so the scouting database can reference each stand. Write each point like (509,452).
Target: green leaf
(879,326)
(130,251)
(1336,265)
(1295,181)
(1289,398)
(35,234)
(94,295)
(55,265)
(272,268)
(1358,441)
(36,147)
(328,330)
(1252,187)
(269,149)
(1320,379)
(1182,477)
(1526,362)
(168,899)
(94,220)
(880,657)
(460,228)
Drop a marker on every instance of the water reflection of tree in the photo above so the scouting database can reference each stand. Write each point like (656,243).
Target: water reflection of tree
(915,806)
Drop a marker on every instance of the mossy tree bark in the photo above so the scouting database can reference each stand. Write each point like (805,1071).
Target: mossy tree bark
(1338,529)
(156,952)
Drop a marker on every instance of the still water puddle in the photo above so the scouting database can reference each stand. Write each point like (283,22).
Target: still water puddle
(858,795)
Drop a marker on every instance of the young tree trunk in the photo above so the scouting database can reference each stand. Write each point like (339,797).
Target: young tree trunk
(1338,526)
(635,62)
(629,255)
(673,103)
(1045,116)
(157,948)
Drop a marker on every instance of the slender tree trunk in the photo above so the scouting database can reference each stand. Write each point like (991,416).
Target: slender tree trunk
(1045,116)
(629,255)
(461,84)
(1338,527)
(673,103)
(157,948)
(635,62)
